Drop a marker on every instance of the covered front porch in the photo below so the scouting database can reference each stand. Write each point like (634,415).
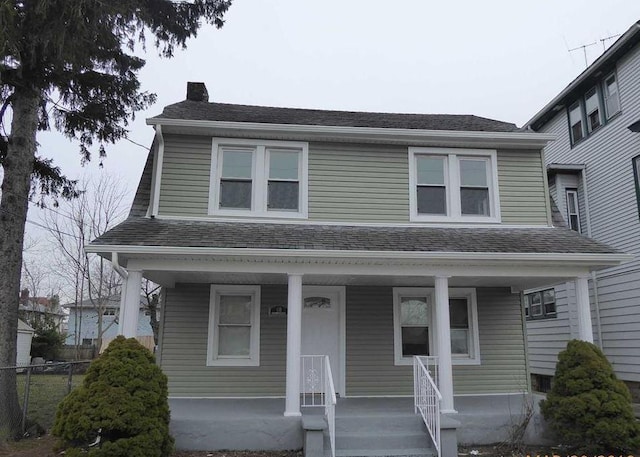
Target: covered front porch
(212,397)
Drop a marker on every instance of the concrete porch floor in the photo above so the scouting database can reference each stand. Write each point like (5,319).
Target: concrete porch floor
(259,424)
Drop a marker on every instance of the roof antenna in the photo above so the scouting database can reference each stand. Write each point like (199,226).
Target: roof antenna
(584,50)
(604,40)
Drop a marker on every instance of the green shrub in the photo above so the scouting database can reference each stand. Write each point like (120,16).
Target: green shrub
(122,403)
(588,407)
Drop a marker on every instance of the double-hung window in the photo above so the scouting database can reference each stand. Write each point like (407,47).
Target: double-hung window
(258,178)
(540,304)
(573,211)
(234,326)
(611,95)
(593,108)
(414,325)
(453,185)
(575,121)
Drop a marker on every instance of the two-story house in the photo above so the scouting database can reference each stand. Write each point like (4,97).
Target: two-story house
(308,255)
(593,169)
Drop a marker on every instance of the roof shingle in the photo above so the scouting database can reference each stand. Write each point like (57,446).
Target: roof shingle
(158,232)
(203,111)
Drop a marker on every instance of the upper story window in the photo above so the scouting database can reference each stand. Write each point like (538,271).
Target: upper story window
(453,185)
(258,178)
(540,304)
(594,108)
(611,95)
(573,210)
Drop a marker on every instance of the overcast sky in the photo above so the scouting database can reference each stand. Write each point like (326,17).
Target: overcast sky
(498,59)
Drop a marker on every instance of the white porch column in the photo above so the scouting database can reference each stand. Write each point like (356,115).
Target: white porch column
(294,341)
(130,305)
(583,309)
(443,335)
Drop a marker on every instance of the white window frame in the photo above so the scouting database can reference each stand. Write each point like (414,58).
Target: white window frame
(572,194)
(606,97)
(473,358)
(543,314)
(260,178)
(453,184)
(253,360)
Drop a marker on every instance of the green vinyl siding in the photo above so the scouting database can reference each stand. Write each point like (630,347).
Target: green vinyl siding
(350,183)
(358,183)
(184,348)
(370,357)
(186,167)
(522,192)
(370,369)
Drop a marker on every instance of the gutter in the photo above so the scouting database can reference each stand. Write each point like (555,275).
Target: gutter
(610,259)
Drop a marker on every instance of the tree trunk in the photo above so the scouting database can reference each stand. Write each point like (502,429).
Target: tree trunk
(13,214)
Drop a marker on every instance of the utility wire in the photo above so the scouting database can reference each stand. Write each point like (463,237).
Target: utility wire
(38,224)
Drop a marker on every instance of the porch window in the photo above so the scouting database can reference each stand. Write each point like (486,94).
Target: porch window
(453,185)
(234,326)
(258,178)
(414,325)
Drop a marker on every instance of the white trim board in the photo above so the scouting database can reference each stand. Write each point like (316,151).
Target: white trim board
(520,139)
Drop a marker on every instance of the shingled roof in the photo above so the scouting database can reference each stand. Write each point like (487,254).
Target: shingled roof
(204,111)
(158,232)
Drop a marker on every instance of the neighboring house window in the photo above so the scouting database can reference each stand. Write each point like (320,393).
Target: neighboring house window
(636,177)
(258,178)
(575,120)
(414,325)
(234,326)
(87,341)
(540,304)
(594,108)
(110,312)
(453,185)
(573,212)
(611,95)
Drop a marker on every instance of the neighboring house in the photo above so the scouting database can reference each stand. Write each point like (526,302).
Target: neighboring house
(594,179)
(83,321)
(41,309)
(364,238)
(23,346)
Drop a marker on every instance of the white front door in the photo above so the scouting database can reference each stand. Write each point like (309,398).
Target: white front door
(321,311)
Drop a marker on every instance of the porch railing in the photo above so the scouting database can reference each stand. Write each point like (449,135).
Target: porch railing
(317,390)
(426,396)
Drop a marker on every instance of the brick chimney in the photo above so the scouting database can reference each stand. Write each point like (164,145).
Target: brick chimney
(197,92)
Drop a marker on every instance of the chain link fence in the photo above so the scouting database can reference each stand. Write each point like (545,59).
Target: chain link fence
(41,388)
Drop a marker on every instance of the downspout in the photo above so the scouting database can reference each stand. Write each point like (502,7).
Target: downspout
(594,276)
(116,266)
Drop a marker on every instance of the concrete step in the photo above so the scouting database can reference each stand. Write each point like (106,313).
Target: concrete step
(427,452)
(379,439)
(395,423)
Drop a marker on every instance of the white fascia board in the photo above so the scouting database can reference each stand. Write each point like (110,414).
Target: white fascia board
(578,258)
(523,140)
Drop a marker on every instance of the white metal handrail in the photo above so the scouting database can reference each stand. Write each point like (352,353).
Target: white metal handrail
(330,405)
(317,390)
(427,397)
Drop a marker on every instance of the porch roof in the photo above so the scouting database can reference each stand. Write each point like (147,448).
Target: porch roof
(311,237)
